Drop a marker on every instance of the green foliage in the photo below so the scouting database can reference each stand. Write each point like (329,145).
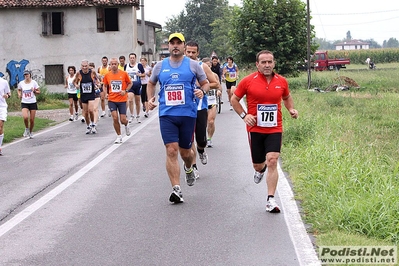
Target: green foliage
(323,44)
(279,26)
(14,127)
(342,156)
(195,22)
(391,43)
(222,29)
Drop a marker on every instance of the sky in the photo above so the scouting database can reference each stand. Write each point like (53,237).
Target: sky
(365,19)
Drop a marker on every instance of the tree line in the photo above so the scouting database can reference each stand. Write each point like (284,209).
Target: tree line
(276,25)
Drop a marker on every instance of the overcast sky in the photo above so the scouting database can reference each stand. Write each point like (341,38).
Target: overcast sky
(365,19)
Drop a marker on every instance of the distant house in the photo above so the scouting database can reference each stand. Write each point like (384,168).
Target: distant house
(46,36)
(352,45)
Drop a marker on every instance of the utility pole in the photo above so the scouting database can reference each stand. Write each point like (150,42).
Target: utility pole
(308,45)
(143,30)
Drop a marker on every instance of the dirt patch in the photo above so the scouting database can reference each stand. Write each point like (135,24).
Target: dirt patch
(57,115)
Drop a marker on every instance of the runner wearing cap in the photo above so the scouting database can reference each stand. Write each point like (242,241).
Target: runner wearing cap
(177,75)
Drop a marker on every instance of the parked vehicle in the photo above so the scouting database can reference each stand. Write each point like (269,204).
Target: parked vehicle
(322,62)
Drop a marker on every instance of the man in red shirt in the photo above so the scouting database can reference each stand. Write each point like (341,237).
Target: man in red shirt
(116,84)
(264,91)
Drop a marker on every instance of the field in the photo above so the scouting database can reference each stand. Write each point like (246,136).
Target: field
(342,155)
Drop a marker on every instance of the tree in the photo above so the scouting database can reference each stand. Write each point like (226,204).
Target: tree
(373,43)
(348,35)
(195,22)
(324,44)
(391,43)
(222,28)
(276,25)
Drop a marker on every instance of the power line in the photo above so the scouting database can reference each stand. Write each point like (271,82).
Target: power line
(362,13)
(359,23)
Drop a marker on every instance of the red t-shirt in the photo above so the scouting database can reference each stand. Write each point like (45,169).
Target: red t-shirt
(264,101)
(116,83)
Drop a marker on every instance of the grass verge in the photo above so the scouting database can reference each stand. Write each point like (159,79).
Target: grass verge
(14,127)
(342,157)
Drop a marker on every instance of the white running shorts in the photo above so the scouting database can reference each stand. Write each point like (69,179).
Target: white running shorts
(3,113)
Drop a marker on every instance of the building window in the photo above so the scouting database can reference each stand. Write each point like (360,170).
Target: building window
(53,23)
(54,74)
(107,19)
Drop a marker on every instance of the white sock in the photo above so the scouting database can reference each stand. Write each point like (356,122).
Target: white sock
(1,139)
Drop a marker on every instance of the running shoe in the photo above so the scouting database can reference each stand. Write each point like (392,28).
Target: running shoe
(190,176)
(118,139)
(76,117)
(196,173)
(127,130)
(93,129)
(231,108)
(83,120)
(1,153)
(30,135)
(109,113)
(258,177)
(271,206)
(176,196)
(203,157)
(88,130)
(138,119)
(26,133)
(103,114)
(209,143)
(71,118)
(131,119)
(146,114)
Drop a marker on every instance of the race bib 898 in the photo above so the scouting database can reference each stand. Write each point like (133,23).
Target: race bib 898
(174,94)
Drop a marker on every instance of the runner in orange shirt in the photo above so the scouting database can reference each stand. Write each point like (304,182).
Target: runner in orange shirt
(116,84)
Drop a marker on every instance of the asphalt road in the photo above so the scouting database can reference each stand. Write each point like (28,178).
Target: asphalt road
(73,199)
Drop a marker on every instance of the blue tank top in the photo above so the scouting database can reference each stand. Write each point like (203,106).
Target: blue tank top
(176,95)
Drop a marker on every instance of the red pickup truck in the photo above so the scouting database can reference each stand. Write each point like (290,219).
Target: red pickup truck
(322,62)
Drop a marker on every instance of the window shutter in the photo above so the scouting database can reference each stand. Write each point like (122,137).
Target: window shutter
(100,20)
(46,26)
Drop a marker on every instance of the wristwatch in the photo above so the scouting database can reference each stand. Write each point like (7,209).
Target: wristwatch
(243,114)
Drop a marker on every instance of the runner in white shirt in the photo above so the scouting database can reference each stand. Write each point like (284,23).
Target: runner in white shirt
(136,72)
(72,93)
(5,93)
(144,81)
(27,90)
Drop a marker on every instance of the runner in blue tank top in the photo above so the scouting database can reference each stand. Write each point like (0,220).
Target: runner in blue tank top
(177,76)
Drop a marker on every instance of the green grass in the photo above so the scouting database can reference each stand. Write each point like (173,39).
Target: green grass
(342,157)
(14,127)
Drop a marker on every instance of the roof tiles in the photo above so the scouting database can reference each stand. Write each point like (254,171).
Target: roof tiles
(65,3)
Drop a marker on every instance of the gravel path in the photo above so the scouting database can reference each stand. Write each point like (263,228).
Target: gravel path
(57,115)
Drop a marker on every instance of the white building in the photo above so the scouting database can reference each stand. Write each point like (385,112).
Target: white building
(47,36)
(352,45)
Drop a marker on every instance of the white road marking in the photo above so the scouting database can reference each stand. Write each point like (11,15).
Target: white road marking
(303,246)
(25,213)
